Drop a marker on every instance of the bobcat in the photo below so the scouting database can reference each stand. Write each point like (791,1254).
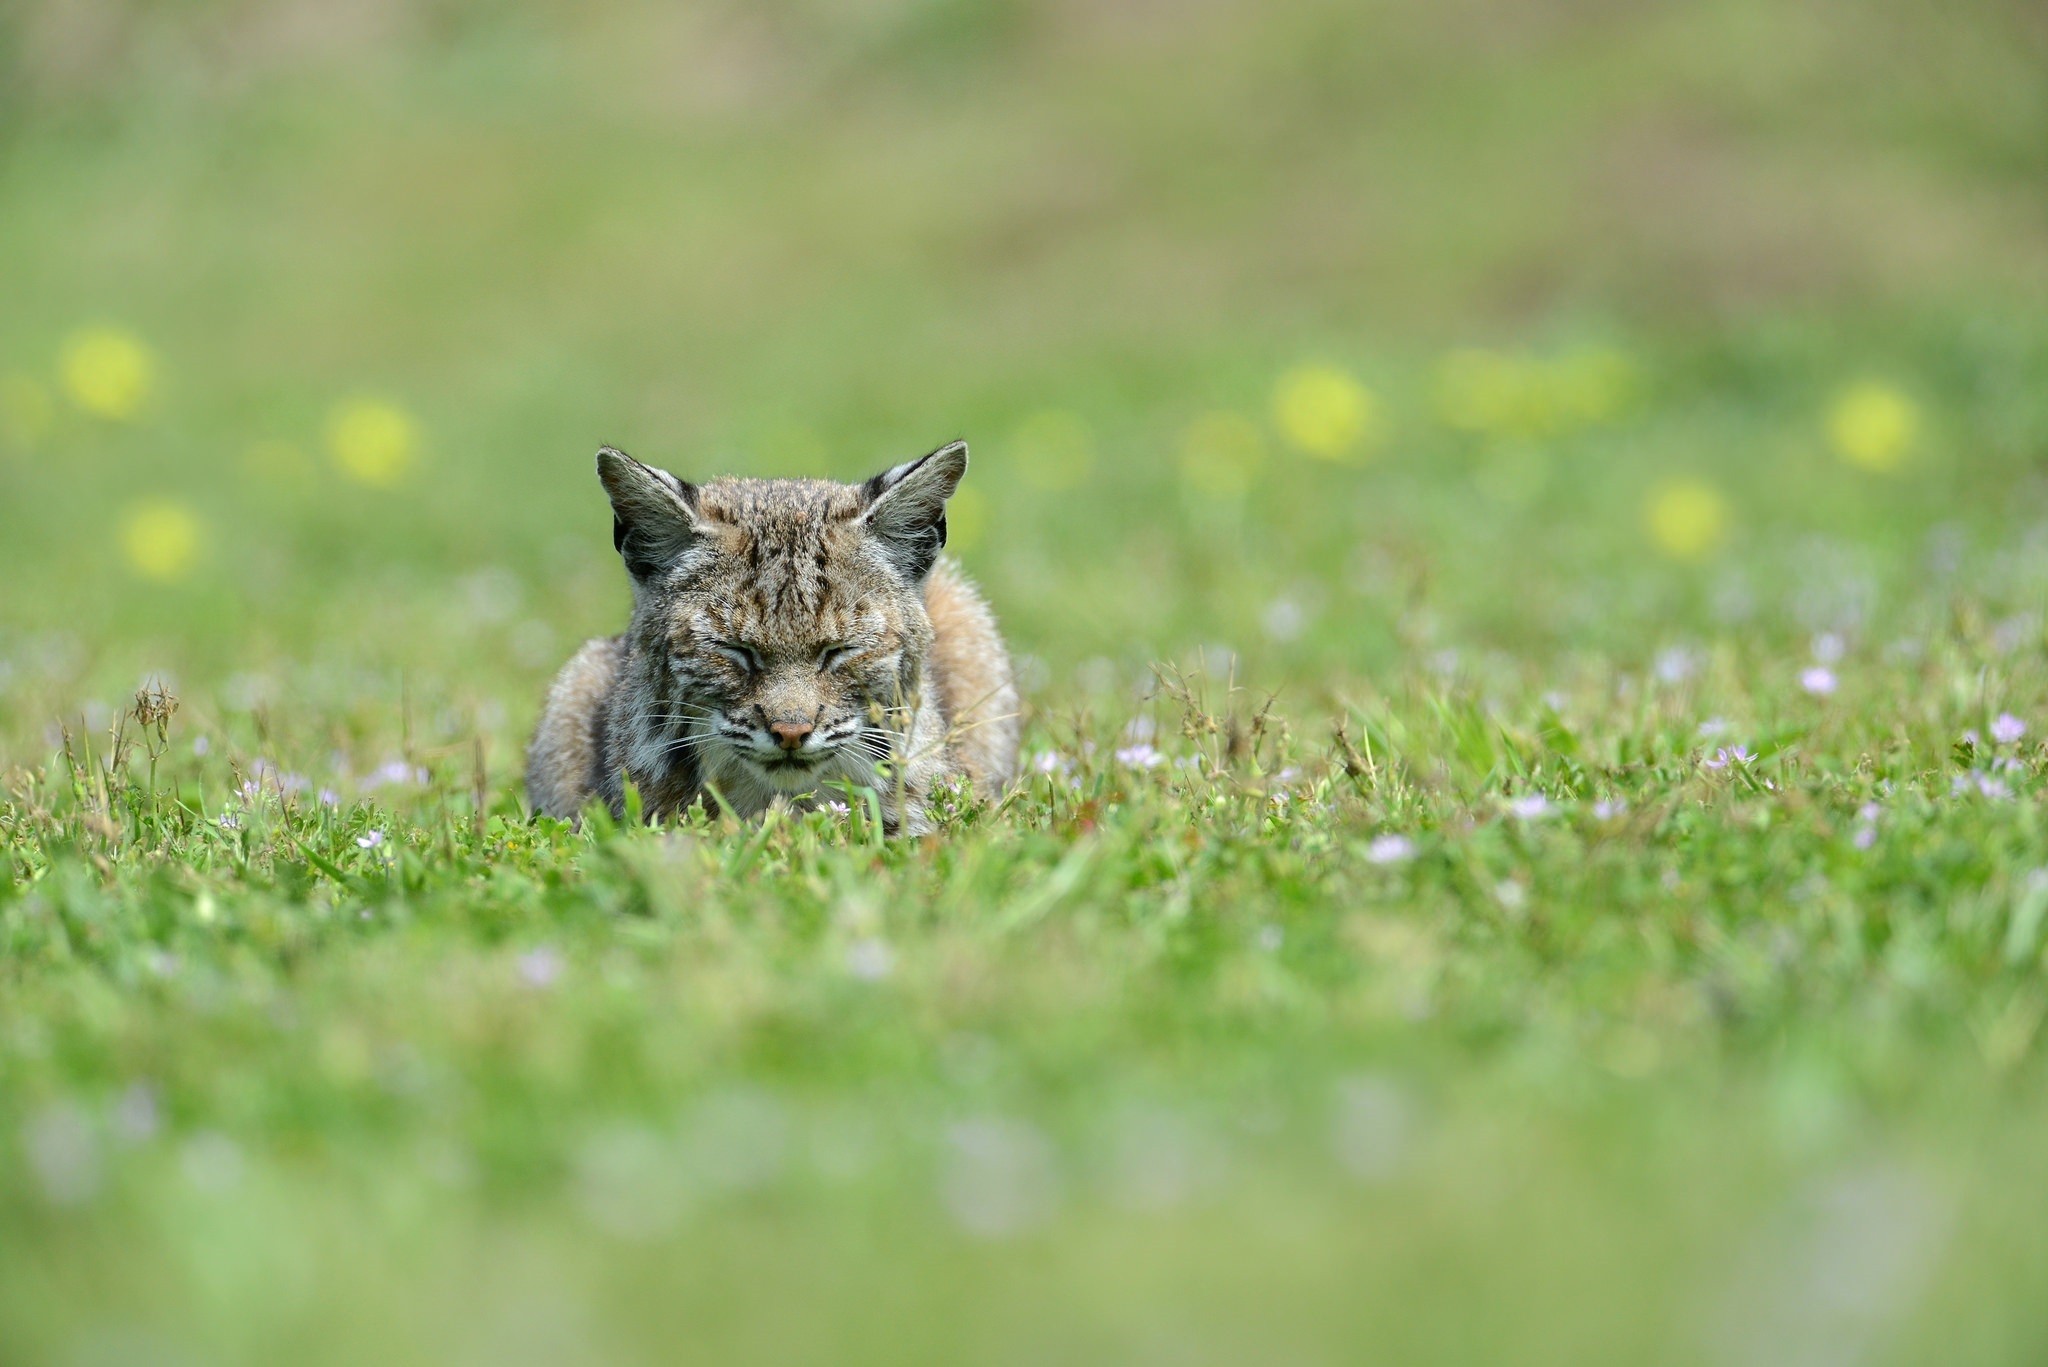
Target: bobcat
(788,637)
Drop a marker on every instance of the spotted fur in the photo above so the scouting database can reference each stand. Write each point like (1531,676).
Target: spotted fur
(788,638)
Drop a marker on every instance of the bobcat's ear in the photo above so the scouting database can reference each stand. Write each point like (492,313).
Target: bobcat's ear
(654,514)
(906,507)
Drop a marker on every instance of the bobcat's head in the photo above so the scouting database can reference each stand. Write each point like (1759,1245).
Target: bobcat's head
(779,631)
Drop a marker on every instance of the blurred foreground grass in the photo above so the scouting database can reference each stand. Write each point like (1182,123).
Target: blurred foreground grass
(1612,438)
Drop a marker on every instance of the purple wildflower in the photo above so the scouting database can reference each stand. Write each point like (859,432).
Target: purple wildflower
(396,771)
(539,968)
(1390,849)
(1983,784)
(1676,664)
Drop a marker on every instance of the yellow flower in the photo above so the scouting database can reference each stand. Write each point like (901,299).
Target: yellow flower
(1325,412)
(160,538)
(1873,425)
(108,372)
(966,517)
(1687,518)
(373,442)
(1220,454)
(1501,395)
(25,410)
(1055,450)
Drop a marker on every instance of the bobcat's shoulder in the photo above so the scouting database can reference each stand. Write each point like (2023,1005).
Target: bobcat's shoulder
(970,669)
(565,764)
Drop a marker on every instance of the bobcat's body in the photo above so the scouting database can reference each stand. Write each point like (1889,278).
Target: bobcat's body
(789,638)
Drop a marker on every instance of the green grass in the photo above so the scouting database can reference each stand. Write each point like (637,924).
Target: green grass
(1177,1050)
(1446,990)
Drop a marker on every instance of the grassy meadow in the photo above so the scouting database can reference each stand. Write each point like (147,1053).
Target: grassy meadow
(1525,532)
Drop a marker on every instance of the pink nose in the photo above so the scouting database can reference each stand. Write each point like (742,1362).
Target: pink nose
(789,734)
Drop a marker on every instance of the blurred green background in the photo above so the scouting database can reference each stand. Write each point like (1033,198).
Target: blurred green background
(1097,240)
(1554,381)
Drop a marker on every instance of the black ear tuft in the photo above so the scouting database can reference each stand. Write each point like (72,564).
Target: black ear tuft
(654,514)
(906,507)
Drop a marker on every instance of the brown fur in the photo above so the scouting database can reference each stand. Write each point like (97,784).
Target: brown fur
(565,762)
(970,671)
(788,638)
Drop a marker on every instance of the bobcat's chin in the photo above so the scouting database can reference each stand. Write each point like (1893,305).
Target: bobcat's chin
(751,781)
(789,775)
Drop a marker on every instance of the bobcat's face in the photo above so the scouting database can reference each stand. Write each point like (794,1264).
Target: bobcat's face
(789,704)
(778,625)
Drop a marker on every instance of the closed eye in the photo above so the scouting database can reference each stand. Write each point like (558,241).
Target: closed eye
(833,656)
(745,656)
